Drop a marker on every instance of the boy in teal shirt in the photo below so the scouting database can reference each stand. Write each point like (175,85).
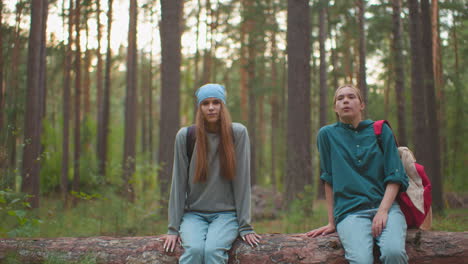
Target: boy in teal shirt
(361,184)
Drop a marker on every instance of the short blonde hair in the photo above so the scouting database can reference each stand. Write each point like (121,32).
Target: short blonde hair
(356,90)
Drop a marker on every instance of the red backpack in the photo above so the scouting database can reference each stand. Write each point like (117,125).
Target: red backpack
(416,202)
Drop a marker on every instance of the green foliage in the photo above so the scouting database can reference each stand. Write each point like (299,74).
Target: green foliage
(454,220)
(300,209)
(18,220)
(104,213)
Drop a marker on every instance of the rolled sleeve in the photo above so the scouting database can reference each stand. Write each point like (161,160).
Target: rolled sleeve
(325,162)
(393,167)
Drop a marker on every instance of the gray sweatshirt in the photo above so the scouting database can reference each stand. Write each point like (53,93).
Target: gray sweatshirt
(217,194)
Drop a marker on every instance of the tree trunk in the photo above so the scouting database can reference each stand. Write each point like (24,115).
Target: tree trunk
(323,80)
(399,72)
(171,31)
(129,158)
(245,29)
(421,246)
(99,80)
(299,165)
(432,125)
(77,128)
(252,96)
(275,115)
(439,84)
(99,89)
(66,107)
(150,96)
(2,93)
(103,132)
(417,84)
(12,94)
(34,101)
(86,74)
(362,82)
(142,104)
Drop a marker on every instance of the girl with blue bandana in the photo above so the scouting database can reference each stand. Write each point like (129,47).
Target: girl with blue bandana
(361,184)
(209,203)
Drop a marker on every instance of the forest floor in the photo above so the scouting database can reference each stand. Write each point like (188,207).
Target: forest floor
(113,216)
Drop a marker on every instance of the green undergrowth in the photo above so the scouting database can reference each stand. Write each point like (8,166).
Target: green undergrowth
(107,214)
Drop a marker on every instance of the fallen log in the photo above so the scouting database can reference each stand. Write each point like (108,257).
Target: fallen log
(422,247)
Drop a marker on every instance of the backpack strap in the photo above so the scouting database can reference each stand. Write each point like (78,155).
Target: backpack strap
(190,141)
(378,126)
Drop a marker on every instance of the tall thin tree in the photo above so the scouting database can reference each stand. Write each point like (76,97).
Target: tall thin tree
(417,84)
(77,103)
(66,105)
(362,82)
(13,92)
(2,89)
(104,107)
(299,164)
(432,123)
(323,77)
(34,99)
(171,32)
(399,73)
(129,158)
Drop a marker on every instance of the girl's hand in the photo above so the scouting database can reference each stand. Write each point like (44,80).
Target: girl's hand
(170,242)
(324,230)
(252,239)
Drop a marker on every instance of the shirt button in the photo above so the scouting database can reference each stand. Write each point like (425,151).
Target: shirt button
(397,170)
(359,161)
(357,146)
(355,131)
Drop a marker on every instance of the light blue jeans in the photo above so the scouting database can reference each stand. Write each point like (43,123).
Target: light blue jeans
(207,237)
(355,232)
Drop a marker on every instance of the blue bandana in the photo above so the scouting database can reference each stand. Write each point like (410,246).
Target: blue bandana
(211,90)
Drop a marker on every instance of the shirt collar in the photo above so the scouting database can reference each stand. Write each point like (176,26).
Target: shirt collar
(362,125)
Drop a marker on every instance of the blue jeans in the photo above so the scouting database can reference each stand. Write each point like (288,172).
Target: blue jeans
(207,237)
(355,232)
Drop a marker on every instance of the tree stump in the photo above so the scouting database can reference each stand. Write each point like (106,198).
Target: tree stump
(421,246)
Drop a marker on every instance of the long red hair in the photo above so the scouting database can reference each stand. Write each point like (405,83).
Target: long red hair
(227,155)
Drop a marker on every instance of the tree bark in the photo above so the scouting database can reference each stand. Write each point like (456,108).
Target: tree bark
(417,84)
(171,31)
(399,73)
(13,95)
(77,128)
(103,122)
(34,102)
(323,80)
(129,158)
(299,160)
(421,247)
(2,89)
(362,82)
(245,29)
(66,107)
(432,125)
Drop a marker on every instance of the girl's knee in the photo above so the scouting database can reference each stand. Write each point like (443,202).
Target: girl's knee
(363,258)
(195,250)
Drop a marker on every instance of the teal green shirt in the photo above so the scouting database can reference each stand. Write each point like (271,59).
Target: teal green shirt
(353,164)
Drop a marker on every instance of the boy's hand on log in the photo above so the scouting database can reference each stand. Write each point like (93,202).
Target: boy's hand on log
(324,230)
(170,242)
